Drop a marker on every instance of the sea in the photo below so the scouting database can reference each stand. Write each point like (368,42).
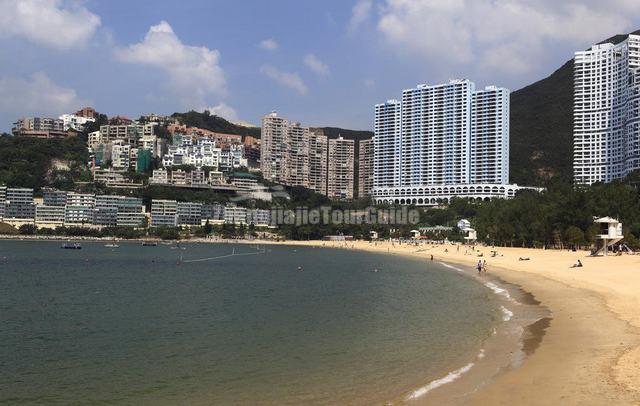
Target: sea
(231,324)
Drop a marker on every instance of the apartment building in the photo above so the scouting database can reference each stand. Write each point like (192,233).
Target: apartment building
(235,215)
(365,168)
(606,111)
(121,155)
(191,150)
(213,212)
(79,210)
(387,144)
(189,214)
(273,147)
(318,152)
(3,195)
(164,213)
(298,156)
(259,217)
(490,136)
(121,211)
(75,122)
(18,204)
(442,141)
(340,171)
(40,127)
(54,197)
(49,216)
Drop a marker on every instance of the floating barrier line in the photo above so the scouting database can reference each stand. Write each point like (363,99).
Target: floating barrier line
(233,254)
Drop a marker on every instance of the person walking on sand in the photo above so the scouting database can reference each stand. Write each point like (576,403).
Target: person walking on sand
(479,266)
(484,265)
(431,257)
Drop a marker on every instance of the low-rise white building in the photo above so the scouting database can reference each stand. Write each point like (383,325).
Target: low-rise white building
(73,122)
(235,215)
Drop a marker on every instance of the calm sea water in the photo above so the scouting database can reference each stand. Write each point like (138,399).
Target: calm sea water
(133,326)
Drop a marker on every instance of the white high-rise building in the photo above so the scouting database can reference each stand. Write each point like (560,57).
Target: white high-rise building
(606,111)
(490,136)
(440,142)
(387,145)
(435,133)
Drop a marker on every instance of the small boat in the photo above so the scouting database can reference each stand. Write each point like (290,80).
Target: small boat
(71,246)
(112,245)
(149,244)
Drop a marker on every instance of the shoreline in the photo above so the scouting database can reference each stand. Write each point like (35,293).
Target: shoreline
(588,352)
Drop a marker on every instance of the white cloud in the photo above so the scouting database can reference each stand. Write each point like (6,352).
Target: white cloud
(223,110)
(194,72)
(360,13)
(53,23)
(37,95)
(316,65)
(510,36)
(290,80)
(269,44)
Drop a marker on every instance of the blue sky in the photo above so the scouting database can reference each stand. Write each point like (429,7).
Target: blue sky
(318,62)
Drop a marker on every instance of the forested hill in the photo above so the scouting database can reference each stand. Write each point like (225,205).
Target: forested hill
(334,132)
(214,123)
(541,129)
(541,134)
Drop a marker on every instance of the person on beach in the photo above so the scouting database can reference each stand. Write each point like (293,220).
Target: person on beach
(431,257)
(484,265)
(479,266)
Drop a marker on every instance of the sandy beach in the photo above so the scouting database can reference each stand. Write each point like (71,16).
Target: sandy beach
(590,351)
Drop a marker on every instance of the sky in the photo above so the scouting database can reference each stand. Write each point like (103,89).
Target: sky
(323,63)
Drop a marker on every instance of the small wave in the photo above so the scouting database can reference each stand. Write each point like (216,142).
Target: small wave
(451,376)
(499,291)
(506,313)
(451,266)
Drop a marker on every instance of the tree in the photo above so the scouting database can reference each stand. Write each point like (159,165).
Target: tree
(207,229)
(27,229)
(574,236)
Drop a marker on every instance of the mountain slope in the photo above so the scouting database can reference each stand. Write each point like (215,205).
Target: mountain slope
(215,123)
(541,133)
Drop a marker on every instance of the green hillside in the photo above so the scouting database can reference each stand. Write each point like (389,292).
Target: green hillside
(214,123)
(34,162)
(541,133)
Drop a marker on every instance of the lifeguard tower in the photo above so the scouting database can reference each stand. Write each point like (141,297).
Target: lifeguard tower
(610,233)
(471,235)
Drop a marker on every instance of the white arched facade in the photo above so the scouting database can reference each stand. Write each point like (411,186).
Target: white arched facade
(442,194)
